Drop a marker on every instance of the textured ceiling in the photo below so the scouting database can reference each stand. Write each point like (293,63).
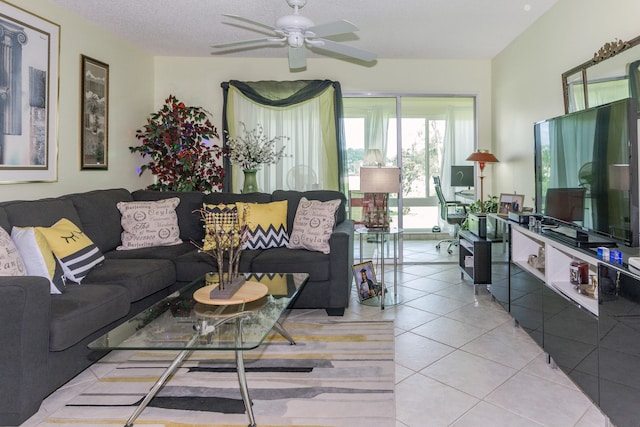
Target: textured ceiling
(425,29)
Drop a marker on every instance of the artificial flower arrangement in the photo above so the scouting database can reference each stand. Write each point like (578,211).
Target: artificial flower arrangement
(254,149)
(177,140)
(226,232)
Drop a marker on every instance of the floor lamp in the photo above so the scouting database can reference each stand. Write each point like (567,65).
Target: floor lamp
(379,182)
(482,157)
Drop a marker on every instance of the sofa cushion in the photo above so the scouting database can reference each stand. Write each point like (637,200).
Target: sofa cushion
(149,224)
(140,277)
(266,223)
(4,220)
(323,195)
(99,216)
(38,257)
(285,260)
(191,228)
(83,310)
(194,264)
(11,263)
(313,224)
(217,198)
(156,252)
(75,251)
(43,213)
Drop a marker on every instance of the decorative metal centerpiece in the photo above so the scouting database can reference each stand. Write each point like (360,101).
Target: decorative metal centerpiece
(226,232)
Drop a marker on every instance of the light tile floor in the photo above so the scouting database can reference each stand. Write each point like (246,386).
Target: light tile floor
(460,361)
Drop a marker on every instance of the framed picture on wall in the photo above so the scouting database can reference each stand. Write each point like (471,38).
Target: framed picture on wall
(29,62)
(94,114)
(365,278)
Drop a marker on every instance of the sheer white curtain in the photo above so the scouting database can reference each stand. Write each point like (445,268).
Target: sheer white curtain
(458,144)
(376,129)
(304,168)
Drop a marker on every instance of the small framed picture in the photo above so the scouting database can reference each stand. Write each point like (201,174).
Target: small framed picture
(510,203)
(94,114)
(365,278)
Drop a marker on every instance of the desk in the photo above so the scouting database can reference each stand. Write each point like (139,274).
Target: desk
(380,235)
(465,196)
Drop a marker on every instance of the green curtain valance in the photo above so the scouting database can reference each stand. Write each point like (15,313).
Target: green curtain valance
(280,93)
(271,93)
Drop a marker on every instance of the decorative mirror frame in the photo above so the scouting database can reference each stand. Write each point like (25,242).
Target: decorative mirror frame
(607,51)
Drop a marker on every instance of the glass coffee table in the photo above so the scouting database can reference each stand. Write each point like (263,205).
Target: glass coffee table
(179,322)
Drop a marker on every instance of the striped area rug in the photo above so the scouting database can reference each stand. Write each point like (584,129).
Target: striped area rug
(340,374)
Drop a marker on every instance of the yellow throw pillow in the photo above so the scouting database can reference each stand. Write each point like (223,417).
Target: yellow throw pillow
(267,224)
(76,252)
(218,217)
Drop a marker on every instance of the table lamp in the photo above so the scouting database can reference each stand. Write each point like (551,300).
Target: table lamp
(377,183)
(482,157)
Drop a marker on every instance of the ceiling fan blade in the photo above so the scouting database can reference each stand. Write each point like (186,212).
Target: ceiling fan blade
(244,42)
(250,21)
(297,58)
(333,28)
(345,50)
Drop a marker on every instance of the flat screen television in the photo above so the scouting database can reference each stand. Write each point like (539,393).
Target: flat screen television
(462,176)
(586,170)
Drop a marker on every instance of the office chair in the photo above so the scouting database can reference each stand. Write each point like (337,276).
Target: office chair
(450,212)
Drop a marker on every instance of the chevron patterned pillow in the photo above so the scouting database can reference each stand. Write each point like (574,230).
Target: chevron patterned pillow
(267,223)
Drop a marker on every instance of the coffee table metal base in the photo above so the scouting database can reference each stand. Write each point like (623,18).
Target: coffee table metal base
(242,378)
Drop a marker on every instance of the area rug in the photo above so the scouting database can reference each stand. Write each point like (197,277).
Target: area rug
(339,374)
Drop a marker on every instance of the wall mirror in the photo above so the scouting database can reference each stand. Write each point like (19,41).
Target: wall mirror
(612,74)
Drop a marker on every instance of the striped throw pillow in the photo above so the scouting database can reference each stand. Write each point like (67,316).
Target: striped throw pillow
(75,251)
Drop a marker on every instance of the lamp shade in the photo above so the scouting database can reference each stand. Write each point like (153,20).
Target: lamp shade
(482,156)
(379,179)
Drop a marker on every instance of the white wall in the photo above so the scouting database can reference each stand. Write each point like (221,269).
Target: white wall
(196,81)
(130,100)
(527,85)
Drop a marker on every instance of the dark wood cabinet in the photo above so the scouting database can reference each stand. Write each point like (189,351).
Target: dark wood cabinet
(474,258)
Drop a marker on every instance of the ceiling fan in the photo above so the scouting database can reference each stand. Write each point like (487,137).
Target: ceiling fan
(297,32)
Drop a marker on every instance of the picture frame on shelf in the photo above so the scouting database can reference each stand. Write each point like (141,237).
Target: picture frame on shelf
(510,203)
(28,97)
(94,114)
(365,278)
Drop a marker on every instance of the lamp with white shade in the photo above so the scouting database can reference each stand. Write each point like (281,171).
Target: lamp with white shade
(377,183)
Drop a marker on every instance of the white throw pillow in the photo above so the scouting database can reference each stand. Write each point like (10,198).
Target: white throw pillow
(38,257)
(11,263)
(148,224)
(313,225)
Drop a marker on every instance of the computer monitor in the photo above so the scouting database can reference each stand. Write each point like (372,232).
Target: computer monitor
(462,176)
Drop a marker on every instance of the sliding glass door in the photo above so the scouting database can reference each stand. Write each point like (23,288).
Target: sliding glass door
(424,136)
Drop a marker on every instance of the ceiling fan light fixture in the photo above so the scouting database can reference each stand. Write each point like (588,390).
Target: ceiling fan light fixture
(295,39)
(294,22)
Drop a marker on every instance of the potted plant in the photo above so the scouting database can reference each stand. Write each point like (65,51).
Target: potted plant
(177,141)
(489,205)
(252,150)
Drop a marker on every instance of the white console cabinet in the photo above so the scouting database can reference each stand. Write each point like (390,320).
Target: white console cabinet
(555,271)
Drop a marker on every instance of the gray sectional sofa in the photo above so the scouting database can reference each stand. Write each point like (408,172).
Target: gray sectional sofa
(44,337)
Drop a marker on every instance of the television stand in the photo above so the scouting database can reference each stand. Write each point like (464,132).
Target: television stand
(577,238)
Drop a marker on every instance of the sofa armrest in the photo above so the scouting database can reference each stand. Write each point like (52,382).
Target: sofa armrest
(341,260)
(24,346)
